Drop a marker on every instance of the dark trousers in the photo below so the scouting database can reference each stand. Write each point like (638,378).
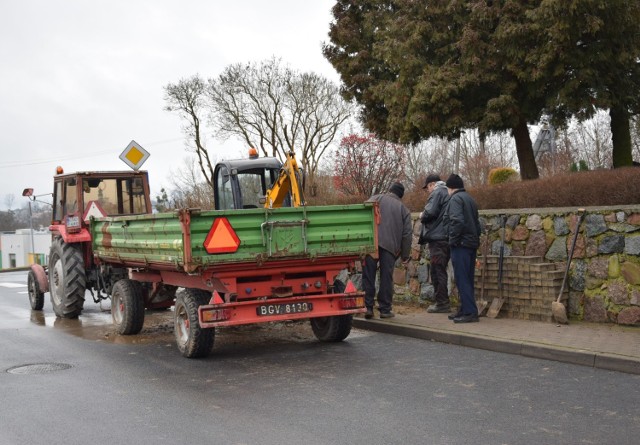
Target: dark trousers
(464,263)
(439,253)
(387,262)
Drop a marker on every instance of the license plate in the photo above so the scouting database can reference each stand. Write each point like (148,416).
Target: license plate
(284,308)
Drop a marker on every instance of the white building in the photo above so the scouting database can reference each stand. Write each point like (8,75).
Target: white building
(17,250)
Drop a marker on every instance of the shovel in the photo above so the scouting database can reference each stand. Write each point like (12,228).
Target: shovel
(558,310)
(482,303)
(497,302)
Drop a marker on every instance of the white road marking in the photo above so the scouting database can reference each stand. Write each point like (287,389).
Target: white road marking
(13,284)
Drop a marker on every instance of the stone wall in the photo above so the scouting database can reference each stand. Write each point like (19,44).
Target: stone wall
(604,277)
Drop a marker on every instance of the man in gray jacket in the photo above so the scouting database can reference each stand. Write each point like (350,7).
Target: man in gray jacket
(436,235)
(394,240)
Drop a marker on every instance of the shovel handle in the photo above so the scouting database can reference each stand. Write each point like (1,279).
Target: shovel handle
(581,214)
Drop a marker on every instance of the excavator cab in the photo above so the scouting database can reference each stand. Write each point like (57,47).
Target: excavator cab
(256,183)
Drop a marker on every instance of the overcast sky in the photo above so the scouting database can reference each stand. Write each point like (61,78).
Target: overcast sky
(80,79)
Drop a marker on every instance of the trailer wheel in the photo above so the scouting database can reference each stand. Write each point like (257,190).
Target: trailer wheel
(67,279)
(193,341)
(332,329)
(127,307)
(36,298)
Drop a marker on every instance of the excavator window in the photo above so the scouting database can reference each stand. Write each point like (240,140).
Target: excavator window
(225,191)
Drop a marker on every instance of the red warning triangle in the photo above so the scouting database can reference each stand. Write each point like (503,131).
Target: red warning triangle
(350,288)
(221,238)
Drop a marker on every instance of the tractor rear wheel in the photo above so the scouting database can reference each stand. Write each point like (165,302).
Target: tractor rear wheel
(36,298)
(127,307)
(193,341)
(67,279)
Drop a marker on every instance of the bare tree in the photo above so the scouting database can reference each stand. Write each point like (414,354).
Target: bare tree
(276,109)
(590,141)
(187,98)
(189,189)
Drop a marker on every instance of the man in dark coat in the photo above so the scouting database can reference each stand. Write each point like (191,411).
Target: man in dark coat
(435,234)
(394,240)
(463,224)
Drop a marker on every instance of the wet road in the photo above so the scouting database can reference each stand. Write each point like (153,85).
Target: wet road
(275,384)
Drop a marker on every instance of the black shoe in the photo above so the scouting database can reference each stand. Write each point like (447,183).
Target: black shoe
(387,314)
(466,318)
(452,316)
(369,314)
(439,309)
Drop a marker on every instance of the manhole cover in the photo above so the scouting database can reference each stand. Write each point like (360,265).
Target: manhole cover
(38,368)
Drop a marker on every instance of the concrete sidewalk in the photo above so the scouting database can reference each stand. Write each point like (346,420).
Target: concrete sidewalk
(604,346)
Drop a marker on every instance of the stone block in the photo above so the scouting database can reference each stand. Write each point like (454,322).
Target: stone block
(520,233)
(623,228)
(399,276)
(634,218)
(618,293)
(632,245)
(414,286)
(611,244)
(595,309)
(558,250)
(631,272)
(635,297)
(534,222)
(427,292)
(560,226)
(629,316)
(423,273)
(598,268)
(614,266)
(595,225)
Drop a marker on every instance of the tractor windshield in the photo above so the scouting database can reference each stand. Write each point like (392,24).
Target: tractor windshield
(122,196)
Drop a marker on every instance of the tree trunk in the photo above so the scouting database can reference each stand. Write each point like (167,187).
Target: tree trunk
(524,150)
(621,137)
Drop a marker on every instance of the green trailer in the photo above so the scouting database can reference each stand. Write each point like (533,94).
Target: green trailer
(237,267)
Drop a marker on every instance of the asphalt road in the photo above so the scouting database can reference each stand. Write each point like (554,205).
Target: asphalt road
(275,384)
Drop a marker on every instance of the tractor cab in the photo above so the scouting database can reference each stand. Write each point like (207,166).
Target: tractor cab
(100,194)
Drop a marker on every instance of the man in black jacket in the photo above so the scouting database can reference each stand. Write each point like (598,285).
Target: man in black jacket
(394,240)
(435,234)
(463,223)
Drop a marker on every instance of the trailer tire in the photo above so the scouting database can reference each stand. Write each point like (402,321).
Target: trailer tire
(332,329)
(67,279)
(36,298)
(127,307)
(192,340)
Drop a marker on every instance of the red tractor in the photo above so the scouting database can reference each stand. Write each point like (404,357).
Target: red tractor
(71,269)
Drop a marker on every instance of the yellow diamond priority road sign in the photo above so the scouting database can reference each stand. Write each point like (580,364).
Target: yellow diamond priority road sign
(134,155)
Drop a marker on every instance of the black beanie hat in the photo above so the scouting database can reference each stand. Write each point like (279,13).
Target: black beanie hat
(431,178)
(455,182)
(397,189)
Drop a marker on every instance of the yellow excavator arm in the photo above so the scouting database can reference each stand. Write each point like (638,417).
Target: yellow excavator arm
(288,181)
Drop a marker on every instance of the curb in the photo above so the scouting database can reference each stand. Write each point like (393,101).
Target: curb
(600,360)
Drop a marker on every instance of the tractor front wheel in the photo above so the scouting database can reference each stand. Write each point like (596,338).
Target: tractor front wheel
(67,279)
(36,298)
